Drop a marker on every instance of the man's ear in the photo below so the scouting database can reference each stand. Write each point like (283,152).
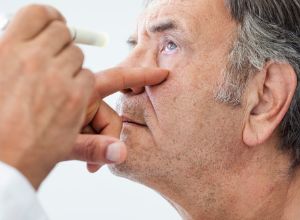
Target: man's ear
(268,97)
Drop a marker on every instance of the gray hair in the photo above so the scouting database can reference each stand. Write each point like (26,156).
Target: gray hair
(268,30)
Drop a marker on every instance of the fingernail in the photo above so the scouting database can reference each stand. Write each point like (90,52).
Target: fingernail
(113,152)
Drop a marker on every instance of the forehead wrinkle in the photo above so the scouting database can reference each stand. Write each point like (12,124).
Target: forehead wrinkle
(187,16)
(157,21)
(151,3)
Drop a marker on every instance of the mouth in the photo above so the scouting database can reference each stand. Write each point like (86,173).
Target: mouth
(128,121)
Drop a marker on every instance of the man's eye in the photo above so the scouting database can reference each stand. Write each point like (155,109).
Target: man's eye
(170,47)
(131,43)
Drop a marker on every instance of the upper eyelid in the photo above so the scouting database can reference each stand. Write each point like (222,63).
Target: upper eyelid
(167,39)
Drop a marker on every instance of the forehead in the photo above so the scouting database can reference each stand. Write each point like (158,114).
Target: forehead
(186,11)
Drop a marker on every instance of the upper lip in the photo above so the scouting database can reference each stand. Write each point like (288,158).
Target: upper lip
(127,119)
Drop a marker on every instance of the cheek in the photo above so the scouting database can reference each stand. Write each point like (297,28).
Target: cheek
(184,105)
(164,98)
(178,105)
(173,62)
(189,122)
(192,71)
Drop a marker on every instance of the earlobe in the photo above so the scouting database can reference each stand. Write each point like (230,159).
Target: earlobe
(269,96)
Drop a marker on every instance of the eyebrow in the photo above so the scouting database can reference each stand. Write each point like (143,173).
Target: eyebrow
(159,27)
(163,26)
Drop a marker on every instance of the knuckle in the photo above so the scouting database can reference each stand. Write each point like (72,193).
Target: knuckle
(60,28)
(80,55)
(90,149)
(77,54)
(39,11)
(42,13)
(89,77)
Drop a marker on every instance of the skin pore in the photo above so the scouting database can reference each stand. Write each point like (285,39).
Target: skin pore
(209,159)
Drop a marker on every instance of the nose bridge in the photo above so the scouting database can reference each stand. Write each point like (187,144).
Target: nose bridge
(141,57)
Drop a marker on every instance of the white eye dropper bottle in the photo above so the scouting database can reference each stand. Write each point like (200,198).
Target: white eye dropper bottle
(80,36)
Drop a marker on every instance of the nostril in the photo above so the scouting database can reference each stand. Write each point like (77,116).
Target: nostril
(137,90)
(133,91)
(126,91)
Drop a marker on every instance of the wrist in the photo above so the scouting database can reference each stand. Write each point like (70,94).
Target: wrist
(35,170)
(35,173)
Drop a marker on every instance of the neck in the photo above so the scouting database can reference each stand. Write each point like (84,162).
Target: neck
(260,192)
(291,210)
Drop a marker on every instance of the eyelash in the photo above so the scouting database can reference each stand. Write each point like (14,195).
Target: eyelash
(166,42)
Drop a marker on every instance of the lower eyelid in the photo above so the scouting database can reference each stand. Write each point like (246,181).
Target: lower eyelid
(169,53)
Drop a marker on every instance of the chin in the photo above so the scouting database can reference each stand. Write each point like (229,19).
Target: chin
(135,167)
(128,171)
(148,162)
(140,163)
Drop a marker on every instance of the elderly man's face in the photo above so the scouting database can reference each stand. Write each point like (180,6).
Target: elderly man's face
(182,132)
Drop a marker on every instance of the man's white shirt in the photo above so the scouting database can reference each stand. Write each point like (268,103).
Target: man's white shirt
(18,199)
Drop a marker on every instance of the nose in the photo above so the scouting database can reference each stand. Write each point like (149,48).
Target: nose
(139,57)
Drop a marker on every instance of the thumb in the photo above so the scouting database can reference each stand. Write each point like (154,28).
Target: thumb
(98,149)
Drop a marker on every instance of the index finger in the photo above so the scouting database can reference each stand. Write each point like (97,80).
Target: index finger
(116,79)
(31,20)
